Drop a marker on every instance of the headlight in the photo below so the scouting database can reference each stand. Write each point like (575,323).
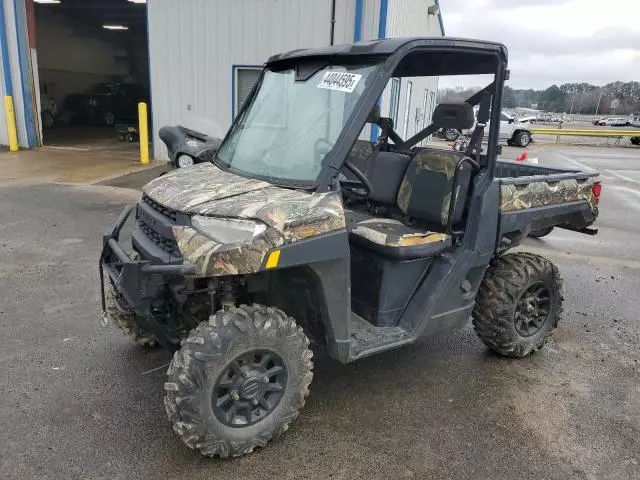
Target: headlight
(185,160)
(228,230)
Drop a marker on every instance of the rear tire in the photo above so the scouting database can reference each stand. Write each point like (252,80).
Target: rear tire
(125,321)
(518,305)
(541,233)
(220,395)
(635,140)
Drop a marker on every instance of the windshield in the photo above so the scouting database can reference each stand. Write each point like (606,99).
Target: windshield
(289,126)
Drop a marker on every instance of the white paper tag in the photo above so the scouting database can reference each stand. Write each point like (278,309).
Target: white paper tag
(341,81)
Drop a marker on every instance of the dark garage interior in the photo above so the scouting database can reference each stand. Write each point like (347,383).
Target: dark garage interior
(93,69)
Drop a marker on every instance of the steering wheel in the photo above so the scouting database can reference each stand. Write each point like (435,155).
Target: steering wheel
(362,183)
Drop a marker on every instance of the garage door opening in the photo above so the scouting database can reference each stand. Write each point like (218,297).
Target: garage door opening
(93,70)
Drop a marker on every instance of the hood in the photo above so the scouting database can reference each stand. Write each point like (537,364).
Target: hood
(204,189)
(186,188)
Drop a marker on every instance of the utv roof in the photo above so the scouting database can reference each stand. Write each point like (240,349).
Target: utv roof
(388,46)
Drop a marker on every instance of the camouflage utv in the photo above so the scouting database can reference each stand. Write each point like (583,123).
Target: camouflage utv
(301,230)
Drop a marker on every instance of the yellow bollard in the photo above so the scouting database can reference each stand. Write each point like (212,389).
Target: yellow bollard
(11,124)
(143,130)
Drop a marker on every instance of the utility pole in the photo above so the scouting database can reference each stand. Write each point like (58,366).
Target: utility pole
(599,98)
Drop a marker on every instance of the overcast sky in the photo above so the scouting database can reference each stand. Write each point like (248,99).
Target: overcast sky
(554,41)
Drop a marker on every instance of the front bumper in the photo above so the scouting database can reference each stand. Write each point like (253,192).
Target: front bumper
(136,282)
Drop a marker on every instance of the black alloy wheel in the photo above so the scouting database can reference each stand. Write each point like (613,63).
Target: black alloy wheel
(249,388)
(532,310)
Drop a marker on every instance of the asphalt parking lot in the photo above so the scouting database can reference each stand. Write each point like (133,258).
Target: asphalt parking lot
(81,402)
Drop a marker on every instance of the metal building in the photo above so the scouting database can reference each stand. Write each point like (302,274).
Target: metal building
(205,55)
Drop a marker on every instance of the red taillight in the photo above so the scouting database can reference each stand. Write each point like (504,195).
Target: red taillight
(597,189)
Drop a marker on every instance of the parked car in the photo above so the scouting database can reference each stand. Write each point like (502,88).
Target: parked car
(613,122)
(530,119)
(514,132)
(106,103)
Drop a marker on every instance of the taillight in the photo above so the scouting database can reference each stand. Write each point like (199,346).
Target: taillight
(596,189)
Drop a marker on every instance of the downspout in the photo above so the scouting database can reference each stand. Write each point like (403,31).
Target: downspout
(333,23)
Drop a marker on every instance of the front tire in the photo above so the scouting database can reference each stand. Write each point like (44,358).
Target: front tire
(238,381)
(518,305)
(522,139)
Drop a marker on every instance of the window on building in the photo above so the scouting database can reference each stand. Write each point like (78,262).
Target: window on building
(394,101)
(245,79)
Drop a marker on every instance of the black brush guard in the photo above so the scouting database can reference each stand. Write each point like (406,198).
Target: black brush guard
(133,279)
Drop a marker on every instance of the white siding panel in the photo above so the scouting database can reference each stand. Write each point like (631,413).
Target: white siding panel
(371,19)
(409,18)
(195,43)
(345,21)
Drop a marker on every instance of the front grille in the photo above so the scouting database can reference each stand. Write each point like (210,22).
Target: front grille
(155,222)
(169,245)
(167,212)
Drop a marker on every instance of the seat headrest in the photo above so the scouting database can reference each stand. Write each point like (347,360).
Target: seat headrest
(458,115)
(374,115)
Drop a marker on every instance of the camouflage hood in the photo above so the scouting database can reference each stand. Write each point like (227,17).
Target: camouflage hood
(291,215)
(187,188)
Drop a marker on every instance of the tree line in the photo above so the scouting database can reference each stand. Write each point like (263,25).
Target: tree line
(615,98)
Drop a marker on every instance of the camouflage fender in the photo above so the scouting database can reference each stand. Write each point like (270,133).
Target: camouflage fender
(539,194)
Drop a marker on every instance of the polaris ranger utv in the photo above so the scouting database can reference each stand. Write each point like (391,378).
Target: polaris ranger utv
(299,230)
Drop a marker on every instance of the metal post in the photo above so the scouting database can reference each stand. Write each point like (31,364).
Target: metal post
(143,129)
(599,98)
(12,131)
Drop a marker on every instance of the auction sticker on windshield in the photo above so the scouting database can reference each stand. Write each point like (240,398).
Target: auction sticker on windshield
(344,82)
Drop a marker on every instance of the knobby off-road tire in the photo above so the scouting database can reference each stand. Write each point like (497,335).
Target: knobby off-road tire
(507,288)
(213,355)
(125,321)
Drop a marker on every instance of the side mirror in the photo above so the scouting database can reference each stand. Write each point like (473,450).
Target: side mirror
(499,150)
(511,120)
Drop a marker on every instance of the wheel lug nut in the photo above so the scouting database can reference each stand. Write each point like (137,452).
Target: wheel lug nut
(265,379)
(254,402)
(234,396)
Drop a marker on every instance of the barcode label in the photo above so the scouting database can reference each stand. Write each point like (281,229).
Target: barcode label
(343,82)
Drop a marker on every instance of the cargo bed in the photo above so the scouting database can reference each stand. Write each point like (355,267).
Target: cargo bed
(535,198)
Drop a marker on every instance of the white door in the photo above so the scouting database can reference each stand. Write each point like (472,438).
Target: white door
(506,126)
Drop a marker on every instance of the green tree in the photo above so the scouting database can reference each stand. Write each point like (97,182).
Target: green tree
(552,99)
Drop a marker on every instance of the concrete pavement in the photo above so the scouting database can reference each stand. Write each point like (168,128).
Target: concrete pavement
(81,402)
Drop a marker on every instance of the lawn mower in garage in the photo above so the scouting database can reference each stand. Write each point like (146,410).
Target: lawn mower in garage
(297,232)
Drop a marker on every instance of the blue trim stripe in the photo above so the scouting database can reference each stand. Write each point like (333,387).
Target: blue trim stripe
(382,33)
(357,27)
(440,17)
(25,71)
(4,44)
(382,24)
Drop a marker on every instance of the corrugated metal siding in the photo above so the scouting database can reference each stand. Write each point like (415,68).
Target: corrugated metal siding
(409,18)
(195,43)
(371,19)
(16,79)
(345,21)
